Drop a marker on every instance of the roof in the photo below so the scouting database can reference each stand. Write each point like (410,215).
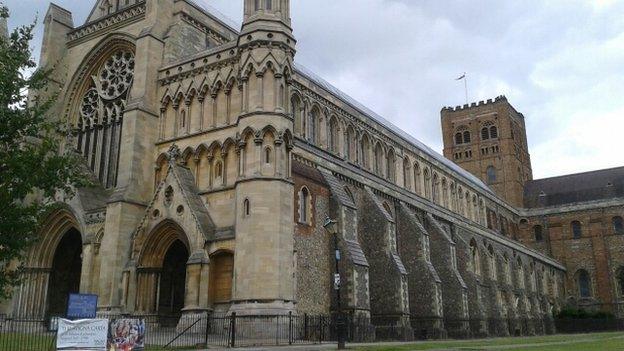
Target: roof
(469,177)
(573,188)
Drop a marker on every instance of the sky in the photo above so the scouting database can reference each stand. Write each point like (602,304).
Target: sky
(559,62)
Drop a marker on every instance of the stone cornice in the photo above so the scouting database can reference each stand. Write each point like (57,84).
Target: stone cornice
(579,206)
(128,15)
(199,65)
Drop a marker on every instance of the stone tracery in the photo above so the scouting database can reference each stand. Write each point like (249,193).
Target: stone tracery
(101,116)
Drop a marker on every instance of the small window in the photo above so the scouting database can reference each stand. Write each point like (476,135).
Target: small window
(257,5)
(466,137)
(584,284)
(304,200)
(218,170)
(267,155)
(618,225)
(246,208)
(538,233)
(485,134)
(183,119)
(491,174)
(493,132)
(269,4)
(168,196)
(577,229)
(458,138)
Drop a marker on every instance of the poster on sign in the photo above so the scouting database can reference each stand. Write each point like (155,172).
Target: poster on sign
(82,306)
(126,334)
(85,334)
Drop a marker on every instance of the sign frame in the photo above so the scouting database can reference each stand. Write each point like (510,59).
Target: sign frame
(85,304)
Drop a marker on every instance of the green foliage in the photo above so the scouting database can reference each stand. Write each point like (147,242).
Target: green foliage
(33,170)
(573,313)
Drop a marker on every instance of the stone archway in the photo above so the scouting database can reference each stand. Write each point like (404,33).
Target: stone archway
(172,281)
(65,273)
(161,272)
(52,268)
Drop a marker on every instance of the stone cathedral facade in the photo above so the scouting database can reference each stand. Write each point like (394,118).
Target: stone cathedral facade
(217,160)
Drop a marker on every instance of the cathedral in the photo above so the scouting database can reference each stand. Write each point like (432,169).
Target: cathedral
(218,160)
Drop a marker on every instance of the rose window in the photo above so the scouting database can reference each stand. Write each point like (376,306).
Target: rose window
(116,75)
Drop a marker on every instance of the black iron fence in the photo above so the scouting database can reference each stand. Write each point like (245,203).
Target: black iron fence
(189,331)
(198,331)
(588,325)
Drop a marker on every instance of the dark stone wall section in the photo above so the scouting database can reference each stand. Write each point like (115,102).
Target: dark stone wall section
(388,276)
(425,295)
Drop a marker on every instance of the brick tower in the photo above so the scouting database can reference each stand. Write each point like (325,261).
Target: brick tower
(489,140)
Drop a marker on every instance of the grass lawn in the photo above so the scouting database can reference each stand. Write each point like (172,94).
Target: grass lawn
(579,342)
(26,342)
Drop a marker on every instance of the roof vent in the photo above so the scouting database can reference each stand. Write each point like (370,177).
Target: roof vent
(609,184)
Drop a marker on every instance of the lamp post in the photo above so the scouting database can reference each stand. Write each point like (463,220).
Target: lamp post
(331,226)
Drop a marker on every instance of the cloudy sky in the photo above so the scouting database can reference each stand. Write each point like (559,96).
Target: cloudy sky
(560,62)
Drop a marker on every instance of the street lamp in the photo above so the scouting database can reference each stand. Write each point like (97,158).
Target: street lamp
(331,226)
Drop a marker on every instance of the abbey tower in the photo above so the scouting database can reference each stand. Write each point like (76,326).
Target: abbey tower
(489,140)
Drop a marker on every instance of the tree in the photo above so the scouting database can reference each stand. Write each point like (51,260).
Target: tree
(33,169)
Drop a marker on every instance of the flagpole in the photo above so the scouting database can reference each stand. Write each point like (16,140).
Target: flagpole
(466,86)
(464,77)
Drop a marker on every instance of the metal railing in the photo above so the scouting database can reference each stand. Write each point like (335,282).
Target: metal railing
(201,330)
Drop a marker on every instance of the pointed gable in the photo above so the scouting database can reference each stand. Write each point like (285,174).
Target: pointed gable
(103,8)
(177,200)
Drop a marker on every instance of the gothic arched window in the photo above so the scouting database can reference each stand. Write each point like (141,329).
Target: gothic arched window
(538,233)
(333,135)
(618,225)
(427,176)
(267,155)
(407,182)
(417,178)
(476,260)
(219,170)
(459,139)
(100,120)
(313,129)
(304,205)
(467,137)
(584,283)
(378,160)
(493,132)
(295,106)
(485,133)
(351,144)
(577,229)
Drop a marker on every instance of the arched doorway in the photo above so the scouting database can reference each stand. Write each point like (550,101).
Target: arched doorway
(162,272)
(173,280)
(221,274)
(64,273)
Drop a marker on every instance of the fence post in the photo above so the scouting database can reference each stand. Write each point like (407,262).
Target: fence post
(321,329)
(207,330)
(290,327)
(277,330)
(233,329)
(305,326)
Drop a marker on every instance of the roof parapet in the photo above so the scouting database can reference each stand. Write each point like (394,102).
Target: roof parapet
(500,98)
